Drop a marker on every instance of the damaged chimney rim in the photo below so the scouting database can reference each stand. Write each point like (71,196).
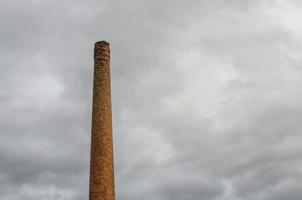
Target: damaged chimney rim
(101,44)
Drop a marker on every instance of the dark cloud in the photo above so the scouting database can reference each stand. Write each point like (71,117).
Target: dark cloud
(206,98)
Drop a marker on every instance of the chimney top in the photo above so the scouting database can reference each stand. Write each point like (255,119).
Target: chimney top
(100,44)
(101,50)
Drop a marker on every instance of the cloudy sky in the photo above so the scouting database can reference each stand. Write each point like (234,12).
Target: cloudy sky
(207,101)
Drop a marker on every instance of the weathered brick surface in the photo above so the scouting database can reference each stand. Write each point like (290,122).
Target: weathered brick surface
(101,163)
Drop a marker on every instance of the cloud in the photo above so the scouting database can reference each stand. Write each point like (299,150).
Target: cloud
(206,98)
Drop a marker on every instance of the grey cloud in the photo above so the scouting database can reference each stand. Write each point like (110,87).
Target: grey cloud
(206,98)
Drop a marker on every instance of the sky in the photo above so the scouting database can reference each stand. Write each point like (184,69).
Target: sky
(207,100)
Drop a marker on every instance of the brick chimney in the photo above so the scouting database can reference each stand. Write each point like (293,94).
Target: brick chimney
(101,186)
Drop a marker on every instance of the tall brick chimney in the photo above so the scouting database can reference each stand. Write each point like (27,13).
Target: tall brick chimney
(101,186)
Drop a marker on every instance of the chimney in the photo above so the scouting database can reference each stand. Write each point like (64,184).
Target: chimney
(101,186)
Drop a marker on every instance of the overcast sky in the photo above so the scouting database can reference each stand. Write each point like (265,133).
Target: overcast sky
(207,98)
